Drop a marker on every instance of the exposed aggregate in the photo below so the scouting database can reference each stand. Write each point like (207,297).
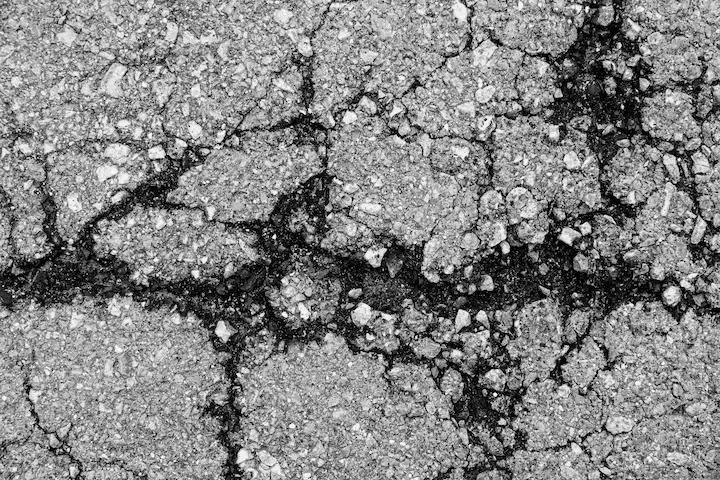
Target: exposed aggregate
(306,239)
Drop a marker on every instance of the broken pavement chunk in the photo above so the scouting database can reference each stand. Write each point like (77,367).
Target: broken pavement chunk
(403,42)
(339,400)
(417,193)
(88,177)
(245,184)
(126,393)
(184,245)
(535,27)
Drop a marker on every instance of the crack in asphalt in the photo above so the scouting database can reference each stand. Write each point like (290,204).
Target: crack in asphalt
(77,269)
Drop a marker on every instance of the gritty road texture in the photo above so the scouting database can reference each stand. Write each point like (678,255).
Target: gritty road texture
(320,240)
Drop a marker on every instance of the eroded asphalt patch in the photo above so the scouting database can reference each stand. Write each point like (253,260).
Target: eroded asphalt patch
(341,240)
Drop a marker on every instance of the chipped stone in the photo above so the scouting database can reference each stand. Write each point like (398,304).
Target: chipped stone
(698,230)
(362,314)
(111,83)
(462,320)
(460,12)
(349,117)
(619,424)
(105,172)
(195,130)
(224,331)
(156,153)
(672,295)
(283,16)
(486,283)
(484,94)
(67,36)
(569,235)
(572,161)
(243,456)
(73,202)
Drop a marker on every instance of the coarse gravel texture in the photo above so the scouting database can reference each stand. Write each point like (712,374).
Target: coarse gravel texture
(382,47)
(464,98)
(235,65)
(397,192)
(308,295)
(308,239)
(88,180)
(244,183)
(171,244)
(21,183)
(114,385)
(327,413)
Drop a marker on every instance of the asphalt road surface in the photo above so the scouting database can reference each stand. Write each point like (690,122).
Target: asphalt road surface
(373,239)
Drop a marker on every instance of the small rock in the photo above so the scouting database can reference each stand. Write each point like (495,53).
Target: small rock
(123,178)
(75,320)
(195,130)
(117,152)
(496,379)
(426,348)
(266,458)
(468,108)
(282,16)
(569,235)
(695,408)
(672,296)
(362,314)
(344,33)
(485,94)
(349,117)
(553,133)
(34,395)
(160,223)
(304,311)
(111,81)
(482,318)
(569,473)
(394,264)
(698,231)
(701,164)
(368,56)
(485,126)
(305,47)
(617,425)
(671,165)
(462,320)
(210,211)
(486,283)
(105,172)
(171,33)
(73,202)
(371,208)
(243,456)
(605,15)
(355,293)
(572,161)
(67,36)
(581,263)
(522,205)
(460,11)
(677,458)
(224,331)
(374,256)
(156,153)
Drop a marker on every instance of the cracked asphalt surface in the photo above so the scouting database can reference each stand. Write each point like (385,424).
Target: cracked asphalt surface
(422,240)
